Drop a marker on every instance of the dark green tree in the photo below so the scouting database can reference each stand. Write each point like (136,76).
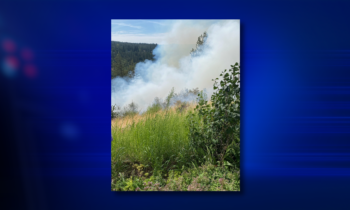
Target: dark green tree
(199,45)
(118,65)
(130,54)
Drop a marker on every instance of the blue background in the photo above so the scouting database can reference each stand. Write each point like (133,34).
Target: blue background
(295,61)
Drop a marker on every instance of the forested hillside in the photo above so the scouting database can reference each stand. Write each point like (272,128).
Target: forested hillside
(126,55)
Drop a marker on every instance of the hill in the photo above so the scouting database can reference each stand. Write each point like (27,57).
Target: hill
(126,55)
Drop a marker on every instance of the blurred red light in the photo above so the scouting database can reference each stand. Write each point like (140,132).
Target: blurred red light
(27,54)
(30,71)
(9,45)
(12,62)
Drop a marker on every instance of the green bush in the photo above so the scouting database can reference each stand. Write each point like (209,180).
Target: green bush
(218,131)
(207,177)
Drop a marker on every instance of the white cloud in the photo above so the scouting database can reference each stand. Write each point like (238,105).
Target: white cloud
(127,25)
(150,21)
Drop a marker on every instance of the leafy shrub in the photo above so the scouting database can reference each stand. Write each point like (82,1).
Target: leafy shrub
(207,177)
(218,130)
(202,97)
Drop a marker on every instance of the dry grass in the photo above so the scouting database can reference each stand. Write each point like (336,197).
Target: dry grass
(123,122)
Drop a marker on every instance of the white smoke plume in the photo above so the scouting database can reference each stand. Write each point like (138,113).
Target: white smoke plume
(174,67)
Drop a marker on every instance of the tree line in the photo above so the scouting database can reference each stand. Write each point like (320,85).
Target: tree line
(126,55)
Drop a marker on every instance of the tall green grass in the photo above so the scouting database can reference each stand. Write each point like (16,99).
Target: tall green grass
(158,141)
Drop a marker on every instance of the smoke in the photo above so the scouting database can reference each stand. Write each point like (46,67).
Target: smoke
(174,67)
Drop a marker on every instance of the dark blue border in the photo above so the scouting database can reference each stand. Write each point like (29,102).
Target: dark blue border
(295,60)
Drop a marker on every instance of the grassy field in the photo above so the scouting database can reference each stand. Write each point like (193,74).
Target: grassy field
(152,152)
(184,147)
(150,139)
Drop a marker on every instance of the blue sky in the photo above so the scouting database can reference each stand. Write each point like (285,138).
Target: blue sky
(140,31)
